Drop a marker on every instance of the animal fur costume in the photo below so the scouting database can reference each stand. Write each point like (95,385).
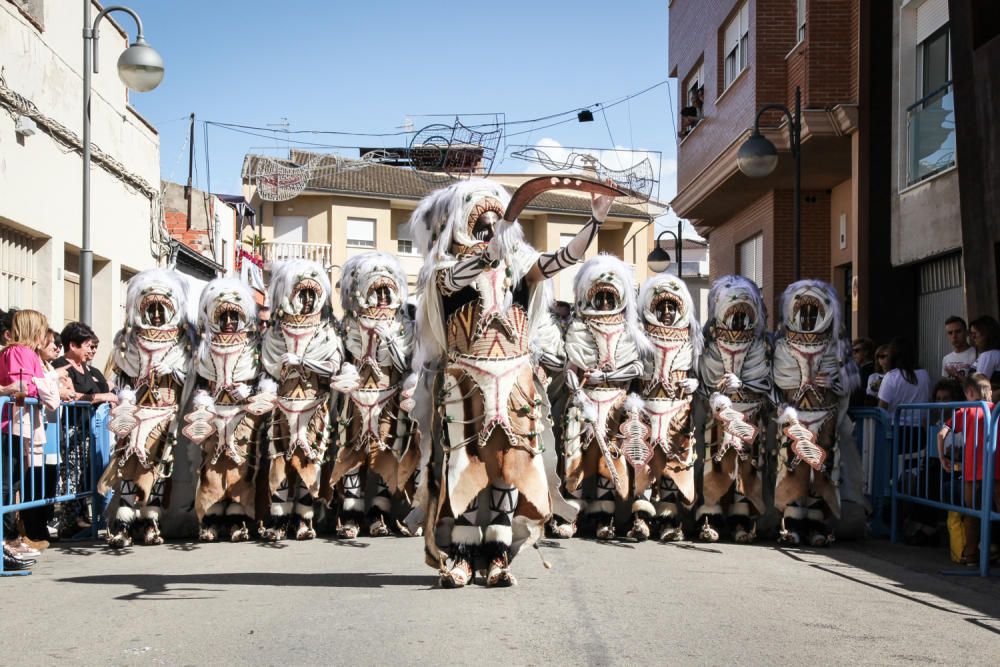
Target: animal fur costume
(605,348)
(302,352)
(481,405)
(664,463)
(225,416)
(549,347)
(150,362)
(735,374)
(811,375)
(378,337)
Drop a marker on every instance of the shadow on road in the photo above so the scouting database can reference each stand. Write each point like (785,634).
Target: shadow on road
(908,574)
(162,586)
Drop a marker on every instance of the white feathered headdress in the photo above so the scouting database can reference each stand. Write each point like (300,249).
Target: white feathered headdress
(288,277)
(653,289)
(161,285)
(609,270)
(228,293)
(361,272)
(732,293)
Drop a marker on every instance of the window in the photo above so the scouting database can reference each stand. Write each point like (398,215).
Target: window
(934,63)
(736,39)
(800,20)
(17,269)
(694,99)
(931,119)
(751,258)
(404,243)
(361,232)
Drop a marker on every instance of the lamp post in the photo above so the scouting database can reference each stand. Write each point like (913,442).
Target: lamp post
(758,157)
(658,260)
(140,68)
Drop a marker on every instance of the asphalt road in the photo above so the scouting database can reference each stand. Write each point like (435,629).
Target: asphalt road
(373,601)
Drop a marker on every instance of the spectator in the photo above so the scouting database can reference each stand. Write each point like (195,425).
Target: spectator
(863,350)
(971,422)
(263,318)
(904,383)
(956,364)
(875,379)
(22,432)
(985,335)
(81,346)
(89,385)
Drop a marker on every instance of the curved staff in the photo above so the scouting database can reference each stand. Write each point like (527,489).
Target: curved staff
(481,409)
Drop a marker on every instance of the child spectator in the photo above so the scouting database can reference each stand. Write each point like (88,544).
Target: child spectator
(956,364)
(971,422)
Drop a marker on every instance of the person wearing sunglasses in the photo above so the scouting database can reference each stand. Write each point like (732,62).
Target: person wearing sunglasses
(863,352)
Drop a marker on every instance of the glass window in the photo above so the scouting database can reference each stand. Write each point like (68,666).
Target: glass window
(361,232)
(800,19)
(934,62)
(404,243)
(736,40)
(751,258)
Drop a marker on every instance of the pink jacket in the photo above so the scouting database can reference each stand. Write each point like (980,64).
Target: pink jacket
(21,364)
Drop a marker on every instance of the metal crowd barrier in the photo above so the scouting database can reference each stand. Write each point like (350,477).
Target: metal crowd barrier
(873,437)
(62,470)
(923,477)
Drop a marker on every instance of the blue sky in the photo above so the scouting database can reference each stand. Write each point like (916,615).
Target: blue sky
(368,66)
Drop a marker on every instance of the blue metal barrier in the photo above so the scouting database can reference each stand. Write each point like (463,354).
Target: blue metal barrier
(932,474)
(873,437)
(63,469)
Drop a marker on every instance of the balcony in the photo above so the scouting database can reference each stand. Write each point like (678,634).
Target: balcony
(279,251)
(930,125)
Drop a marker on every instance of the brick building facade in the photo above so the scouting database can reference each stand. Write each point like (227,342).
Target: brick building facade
(755,52)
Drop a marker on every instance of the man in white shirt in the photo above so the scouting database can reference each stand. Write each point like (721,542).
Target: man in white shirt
(956,364)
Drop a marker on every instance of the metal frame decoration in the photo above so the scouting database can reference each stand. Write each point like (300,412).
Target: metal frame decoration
(639,180)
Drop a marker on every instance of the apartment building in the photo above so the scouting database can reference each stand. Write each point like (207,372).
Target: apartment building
(732,57)
(349,209)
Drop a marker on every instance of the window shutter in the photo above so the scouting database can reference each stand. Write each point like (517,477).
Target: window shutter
(931,15)
(361,229)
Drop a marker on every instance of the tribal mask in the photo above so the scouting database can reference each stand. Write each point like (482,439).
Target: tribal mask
(156,299)
(735,303)
(810,307)
(299,287)
(603,286)
(373,283)
(227,306)
(666,302)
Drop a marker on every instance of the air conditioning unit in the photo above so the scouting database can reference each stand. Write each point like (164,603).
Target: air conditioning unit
(24,126)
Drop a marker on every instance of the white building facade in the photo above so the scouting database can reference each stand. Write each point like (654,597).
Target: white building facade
(41,118)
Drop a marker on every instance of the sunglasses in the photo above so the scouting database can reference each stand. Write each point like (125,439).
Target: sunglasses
(858,350)
(882,356)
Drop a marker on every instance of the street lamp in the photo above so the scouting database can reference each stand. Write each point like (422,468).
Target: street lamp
(140,68)
(658,260)
(758,157)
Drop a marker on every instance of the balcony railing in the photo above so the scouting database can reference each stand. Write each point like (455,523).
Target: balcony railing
(279,251)
(930,125)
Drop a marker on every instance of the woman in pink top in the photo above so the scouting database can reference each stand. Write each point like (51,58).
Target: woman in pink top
(22,429)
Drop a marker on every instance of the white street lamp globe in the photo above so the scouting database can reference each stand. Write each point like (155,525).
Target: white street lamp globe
(658,261)
(757,157)
(140,67)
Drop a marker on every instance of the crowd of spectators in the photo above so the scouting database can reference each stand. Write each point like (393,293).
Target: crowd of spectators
(970,372)
(51,367)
